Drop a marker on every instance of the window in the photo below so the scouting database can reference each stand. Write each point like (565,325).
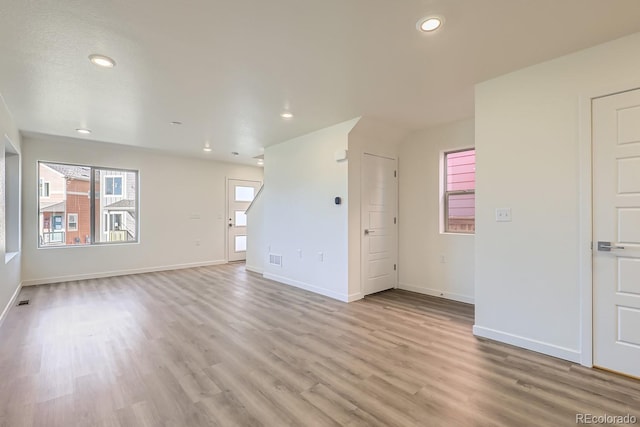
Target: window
(244,194)
(113,186)
(241,218)
(72,222)
(459,195)
(44,188)
(116,220)
(100,205)
(57,222)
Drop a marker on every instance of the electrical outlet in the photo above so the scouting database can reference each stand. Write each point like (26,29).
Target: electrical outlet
(198,242)
(503,214)
(320,257)
(300,253)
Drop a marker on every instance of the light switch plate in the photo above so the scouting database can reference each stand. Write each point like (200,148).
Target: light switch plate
(503,215)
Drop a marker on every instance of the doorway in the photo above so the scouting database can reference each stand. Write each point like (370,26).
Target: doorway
(379,223)
(240,194)
(616,232)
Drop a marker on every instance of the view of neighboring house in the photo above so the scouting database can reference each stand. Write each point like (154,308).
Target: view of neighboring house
(64,194)
(460,191)
(116,221)
(65,205)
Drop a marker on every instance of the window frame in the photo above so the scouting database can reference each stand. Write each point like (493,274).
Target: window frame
(69,222)
(42,184)
(445,194)
(94,228)
(113,177)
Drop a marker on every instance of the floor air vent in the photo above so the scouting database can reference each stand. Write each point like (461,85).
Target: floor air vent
(23,302)
(275,260)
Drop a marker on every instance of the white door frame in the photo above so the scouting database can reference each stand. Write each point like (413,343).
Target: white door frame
(586,214)
(226,213)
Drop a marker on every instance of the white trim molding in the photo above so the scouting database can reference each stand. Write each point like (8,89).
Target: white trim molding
(586,230)
(10,304)
(253,269)
(309,287)
(61,279)
(436,293)
(355,297)
(530,344)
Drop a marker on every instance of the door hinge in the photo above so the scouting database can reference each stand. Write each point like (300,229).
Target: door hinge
(394,220)
(394,267)
(395,174)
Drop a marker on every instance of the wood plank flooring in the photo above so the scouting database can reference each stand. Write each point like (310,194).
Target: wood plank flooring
(217,346)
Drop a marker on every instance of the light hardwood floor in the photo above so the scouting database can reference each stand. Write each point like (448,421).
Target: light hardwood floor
(219,346)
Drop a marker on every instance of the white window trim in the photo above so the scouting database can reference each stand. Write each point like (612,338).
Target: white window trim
(41,186)
(69,222)
(444,193)
(110,214)
(122,185)
(98,194)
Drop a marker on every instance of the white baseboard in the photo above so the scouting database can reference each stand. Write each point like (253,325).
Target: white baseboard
(355,297)
(529,344)
(10,304)
(60,279)
(436,293)
(307,287)
(253,269)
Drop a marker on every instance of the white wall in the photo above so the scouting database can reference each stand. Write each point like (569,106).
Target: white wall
(172,190)
(12,198)
(528,289)
(371,136)
(256,234)
(10,277)
(422,245)
(301,179)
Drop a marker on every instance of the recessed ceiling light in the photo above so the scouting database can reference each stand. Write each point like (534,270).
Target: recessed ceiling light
(429,24)
(176,123)
(260,162)
(286,115)
(235,153)
(207,147)
(102,61)
(83,131)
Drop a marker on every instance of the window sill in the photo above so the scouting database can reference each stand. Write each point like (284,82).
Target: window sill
(450,233)
(9,256)
(89,245)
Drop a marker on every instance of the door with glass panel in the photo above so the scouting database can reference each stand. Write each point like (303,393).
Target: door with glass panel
(240,195)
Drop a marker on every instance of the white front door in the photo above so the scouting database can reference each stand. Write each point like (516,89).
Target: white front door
(240,195)
(379,224)
(616,232)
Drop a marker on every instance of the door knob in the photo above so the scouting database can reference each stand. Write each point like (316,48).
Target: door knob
(607,246)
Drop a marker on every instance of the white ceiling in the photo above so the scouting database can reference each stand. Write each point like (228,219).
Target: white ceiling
(227,69)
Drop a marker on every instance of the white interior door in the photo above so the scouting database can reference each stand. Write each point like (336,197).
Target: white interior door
(616,231)
(240,195)
(379,224)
